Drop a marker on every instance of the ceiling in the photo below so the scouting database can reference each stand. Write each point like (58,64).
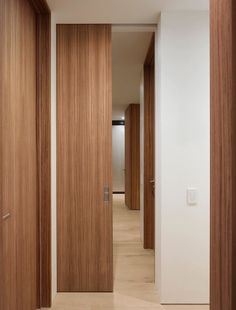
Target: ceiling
(129,50)
(118,11)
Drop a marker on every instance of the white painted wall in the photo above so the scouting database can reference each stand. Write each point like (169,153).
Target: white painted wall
(182,148)
(142,156)
(53,157)
(118,158)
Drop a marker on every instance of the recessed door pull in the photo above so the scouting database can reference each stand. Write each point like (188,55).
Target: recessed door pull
(6,216)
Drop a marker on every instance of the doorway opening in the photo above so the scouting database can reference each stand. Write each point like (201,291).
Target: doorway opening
(134,259)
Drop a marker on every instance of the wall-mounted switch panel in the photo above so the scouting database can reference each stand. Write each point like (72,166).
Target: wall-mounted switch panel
(192,196)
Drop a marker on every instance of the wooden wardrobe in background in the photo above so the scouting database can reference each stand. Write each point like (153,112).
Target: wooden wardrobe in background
(132,157)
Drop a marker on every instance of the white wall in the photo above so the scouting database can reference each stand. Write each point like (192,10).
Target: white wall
(53,157)
(142,156)
(182,154)
(118,158)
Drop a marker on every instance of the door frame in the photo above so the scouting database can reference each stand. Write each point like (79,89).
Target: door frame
(43,140)
(223,154)
(43,123)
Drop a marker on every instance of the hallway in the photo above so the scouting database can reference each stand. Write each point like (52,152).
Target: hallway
(133,272)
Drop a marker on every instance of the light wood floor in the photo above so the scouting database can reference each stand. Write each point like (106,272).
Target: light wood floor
(133,272)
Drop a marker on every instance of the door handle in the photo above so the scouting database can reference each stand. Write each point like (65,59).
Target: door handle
(6,216)
(152,181)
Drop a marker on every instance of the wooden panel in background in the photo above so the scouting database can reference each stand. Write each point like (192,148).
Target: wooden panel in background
(128,170)
(132,157)
(18,153)
(149,148)
(223,155)
(84,149)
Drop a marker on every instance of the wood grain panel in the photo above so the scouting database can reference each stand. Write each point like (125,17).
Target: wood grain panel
(18,154)
(44,154)
(132,157)
(128,170)
(223,154)
(149,148)
(84,140)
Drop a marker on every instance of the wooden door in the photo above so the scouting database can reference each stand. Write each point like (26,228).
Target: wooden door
(149,149)
(132,157)
(84,151)
(18,178)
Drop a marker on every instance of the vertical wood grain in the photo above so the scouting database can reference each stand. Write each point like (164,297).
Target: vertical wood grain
(25,72)
(44,154)
(149,147)
(128,170)
(132,157)
(223,154)
(18,154)
(84,140)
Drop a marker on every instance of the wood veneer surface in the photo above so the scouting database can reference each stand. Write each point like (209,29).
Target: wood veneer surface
(132,156)
(84,140)
(223,154)
(18,155)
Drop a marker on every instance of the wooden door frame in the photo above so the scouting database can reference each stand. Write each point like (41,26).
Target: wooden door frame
(149,86)
(223,154)
(43,121)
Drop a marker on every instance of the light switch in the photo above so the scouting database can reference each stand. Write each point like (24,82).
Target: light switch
(192,196)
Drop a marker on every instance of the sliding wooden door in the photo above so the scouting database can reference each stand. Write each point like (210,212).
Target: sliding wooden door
(18,179)
(84,145)
(149,148)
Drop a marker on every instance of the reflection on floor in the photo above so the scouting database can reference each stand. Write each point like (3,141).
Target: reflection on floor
(133,272)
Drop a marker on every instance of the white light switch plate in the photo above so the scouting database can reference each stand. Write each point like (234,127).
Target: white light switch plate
(192,196)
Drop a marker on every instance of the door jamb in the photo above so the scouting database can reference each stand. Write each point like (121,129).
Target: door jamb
(43,121)
(223,154)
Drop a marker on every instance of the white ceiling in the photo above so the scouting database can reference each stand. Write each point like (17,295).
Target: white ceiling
(129,50)
(118,11)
